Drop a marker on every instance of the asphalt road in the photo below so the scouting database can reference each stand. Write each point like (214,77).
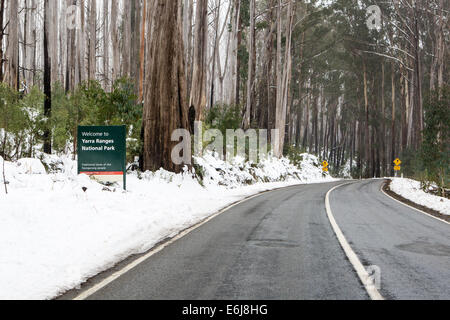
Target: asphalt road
(281,245)
(411,249)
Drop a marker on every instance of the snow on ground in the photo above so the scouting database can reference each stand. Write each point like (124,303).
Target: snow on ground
(410,189)
(54,236)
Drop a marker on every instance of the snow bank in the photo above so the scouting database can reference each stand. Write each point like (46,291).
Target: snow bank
(410,189)
(239,172)
(59,229)
(31,166)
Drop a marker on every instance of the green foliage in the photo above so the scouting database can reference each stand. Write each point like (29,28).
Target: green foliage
(10,111)
(91,104)
(295,155)
(60,120)
(224,117)
(94,106)
(412,165)
(13,121)
(244,57)
(34,124)
(245,13)
(24,121)
(436,137)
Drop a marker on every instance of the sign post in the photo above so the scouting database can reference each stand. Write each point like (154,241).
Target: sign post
(102,153)
(325,165)
(397,166)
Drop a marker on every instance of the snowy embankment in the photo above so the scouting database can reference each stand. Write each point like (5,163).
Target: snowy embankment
(59,229)
(410,189)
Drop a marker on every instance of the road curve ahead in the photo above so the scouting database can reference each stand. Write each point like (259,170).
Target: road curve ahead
(281,245)
(411,249)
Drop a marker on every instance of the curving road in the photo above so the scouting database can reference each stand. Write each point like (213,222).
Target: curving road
(281,245)
(411,249)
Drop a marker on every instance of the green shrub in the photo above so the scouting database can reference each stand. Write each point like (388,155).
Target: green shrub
(224,117)
(14,122)
(436,137)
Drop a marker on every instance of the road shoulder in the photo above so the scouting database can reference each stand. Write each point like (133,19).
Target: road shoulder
(436,214)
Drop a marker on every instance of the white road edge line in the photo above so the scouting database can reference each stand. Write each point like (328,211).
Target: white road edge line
(351,255)
(411,207)
(89,292)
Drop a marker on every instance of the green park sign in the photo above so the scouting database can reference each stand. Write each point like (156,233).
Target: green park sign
(102,153)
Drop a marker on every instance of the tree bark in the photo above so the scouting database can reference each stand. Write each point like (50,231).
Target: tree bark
(2,59)
(283,77)
(165,107)
(366,124)
(383,122)
(198,89)
(393,131)
(81,55)
(142,53)
(13,45)
(47,80)
(106,42)
(115,40)
(126,38)
(92,40)
(250,79)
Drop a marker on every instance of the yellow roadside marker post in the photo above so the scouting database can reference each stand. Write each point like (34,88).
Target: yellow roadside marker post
(325,166)
(397,166)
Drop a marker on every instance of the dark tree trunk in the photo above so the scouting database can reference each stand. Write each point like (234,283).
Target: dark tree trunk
(393,131)
(47,82)
(2,10)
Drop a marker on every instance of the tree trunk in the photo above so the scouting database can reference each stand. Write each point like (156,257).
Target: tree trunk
(393,133)
(13,45)
(47,80)
(135,43)
(250,80)
(92,39)
(81,55)
(283,77)
(126,38)
(71,56)
(188,45)
(53,38)
(115,40)
(142,53)
(269,67)
(2,59)
(213,56)
(366,124)
(238,57)
(106,42)
(198,89)
(383,122)
(165,106)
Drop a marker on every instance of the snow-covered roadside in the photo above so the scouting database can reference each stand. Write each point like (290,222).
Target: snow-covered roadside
(54,235)
(410,189)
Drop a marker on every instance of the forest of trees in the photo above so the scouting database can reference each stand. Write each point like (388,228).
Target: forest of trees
(353,95)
